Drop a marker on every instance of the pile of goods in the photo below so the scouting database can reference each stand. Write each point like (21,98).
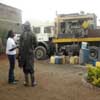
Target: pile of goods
(57,59)
(64,59)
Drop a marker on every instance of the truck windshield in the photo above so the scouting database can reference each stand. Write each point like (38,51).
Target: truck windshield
(47,29)
(36,29)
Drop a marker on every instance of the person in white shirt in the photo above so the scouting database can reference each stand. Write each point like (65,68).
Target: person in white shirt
(11,53)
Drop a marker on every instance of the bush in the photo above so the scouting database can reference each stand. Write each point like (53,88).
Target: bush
(93,75)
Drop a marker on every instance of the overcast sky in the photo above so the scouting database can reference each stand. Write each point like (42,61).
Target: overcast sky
(46,9)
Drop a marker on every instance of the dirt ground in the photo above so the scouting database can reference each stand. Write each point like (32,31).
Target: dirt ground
(55,82)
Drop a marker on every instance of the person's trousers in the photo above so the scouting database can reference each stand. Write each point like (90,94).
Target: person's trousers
(11,68)
(31,77)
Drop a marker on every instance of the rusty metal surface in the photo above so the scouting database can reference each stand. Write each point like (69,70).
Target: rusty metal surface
(94,33)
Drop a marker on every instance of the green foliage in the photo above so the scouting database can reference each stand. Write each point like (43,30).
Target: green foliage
(93,75)
(3,34)
(1,50)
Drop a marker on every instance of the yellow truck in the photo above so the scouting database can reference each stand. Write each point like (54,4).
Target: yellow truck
(73,29)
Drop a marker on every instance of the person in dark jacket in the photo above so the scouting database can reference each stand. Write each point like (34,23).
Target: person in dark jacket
(26,54)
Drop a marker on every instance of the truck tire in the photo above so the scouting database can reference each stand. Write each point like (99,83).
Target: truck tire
(93,52)
(40,53)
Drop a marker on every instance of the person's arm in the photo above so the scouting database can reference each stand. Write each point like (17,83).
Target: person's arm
(13,48)
(34,41)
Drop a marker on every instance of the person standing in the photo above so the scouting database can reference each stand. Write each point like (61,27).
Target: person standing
(11,53)
(26,55)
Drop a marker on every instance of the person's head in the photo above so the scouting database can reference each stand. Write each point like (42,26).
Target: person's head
(27,26)
(10,34)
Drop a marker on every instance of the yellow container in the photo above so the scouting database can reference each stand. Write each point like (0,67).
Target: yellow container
(72,61)
(76,59)
(63,59)
(98,64)
(67,59)
(52,59)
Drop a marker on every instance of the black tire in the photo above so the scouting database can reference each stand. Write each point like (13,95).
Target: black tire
(40,53)
(93,52)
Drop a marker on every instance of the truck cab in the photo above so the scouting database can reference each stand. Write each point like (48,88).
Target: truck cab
(44,34)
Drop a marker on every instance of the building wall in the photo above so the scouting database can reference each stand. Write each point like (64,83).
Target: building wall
(10,18)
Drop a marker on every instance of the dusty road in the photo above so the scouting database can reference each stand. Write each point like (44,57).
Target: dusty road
(55,82)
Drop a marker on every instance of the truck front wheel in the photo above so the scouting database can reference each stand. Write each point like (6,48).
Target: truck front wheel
(40,53)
